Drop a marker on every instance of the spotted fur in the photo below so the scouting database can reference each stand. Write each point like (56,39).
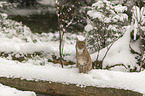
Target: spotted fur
(83,59)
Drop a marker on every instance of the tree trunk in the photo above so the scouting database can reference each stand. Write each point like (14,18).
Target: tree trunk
(59,89)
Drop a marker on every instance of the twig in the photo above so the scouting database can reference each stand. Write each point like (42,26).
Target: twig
(133,51)
(60,32)
(109,67)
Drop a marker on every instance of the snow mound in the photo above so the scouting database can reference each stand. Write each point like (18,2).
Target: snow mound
(119,53)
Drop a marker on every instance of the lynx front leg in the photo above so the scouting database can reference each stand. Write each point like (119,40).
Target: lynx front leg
(87,68)
(80,69)
(83,69)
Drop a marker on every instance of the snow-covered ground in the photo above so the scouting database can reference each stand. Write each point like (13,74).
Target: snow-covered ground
(7,91)
(25,42)
(50,72)
(32,70)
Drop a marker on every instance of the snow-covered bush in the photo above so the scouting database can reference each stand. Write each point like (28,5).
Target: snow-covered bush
(24,3)
(5,5)
(138,22)
(10,28)
(105,23)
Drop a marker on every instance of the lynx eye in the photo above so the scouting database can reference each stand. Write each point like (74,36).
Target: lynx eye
(81,45)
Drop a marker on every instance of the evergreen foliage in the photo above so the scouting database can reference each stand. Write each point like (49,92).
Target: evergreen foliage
(10,28)
(105,23)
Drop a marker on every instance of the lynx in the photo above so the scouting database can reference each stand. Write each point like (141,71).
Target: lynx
(83,59)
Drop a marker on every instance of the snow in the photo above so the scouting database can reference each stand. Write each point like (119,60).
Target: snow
(32,70)
(88,27)
(95,14)
(47,2)
(112,27)
(116,11)
(54,73)
(99,4)
(120,8)
(7,91)
(120,53)
(120,17)
(81,38)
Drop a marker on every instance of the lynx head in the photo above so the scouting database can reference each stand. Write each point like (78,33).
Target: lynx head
(81,45)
